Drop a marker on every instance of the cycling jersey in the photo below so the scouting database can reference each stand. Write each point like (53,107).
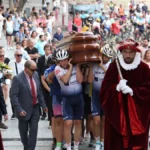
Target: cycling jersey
(55,87)
(55,92)
(98,73)
(72,87)
(99,76)
(72,99)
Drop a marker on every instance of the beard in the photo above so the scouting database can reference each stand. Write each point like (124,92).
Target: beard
(128,60)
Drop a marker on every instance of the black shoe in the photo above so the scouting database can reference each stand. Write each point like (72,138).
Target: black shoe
(13,117)
(3,126)
(43,117)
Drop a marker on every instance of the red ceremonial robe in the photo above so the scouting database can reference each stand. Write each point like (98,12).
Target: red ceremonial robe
(1,143)
(127,118)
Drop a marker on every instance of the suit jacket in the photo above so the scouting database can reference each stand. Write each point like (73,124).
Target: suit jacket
(41,65)
(21,95)
(2,102)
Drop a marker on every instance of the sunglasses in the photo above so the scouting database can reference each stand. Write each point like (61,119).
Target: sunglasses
(32,69)
(1,55)
(19,55)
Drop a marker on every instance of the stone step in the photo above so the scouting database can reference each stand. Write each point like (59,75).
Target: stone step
(41,145)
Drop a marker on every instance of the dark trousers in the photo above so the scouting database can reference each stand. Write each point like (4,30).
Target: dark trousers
(28,129)
(0,116)
(12,107)
(46,98)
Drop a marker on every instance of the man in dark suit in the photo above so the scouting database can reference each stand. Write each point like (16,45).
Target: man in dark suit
(42,64)
(26,97)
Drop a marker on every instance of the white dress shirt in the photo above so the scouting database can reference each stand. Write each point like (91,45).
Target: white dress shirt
(20,66)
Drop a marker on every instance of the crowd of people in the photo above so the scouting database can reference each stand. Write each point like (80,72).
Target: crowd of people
(44,83)
(122,22)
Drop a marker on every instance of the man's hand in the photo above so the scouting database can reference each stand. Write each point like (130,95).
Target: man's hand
(45,110)
(127,90)
(23,114)
(69,63)
(101,60)
(5,117)
(121,85)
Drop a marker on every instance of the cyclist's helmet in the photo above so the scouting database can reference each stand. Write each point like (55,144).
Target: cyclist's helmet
(106,50)
(54,53)
(62,54)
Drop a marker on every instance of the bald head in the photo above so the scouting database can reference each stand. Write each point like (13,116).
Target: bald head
(29,63)
(30,67)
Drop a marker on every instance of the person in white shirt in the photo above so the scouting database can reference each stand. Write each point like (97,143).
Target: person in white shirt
(96,26)
(25,55)
(1,23)
(107,24)
(147,17)
(17,64)
(9,31)
(39,29)
(50,24)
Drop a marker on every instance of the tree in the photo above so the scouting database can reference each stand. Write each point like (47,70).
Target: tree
(21,5)
(11,4)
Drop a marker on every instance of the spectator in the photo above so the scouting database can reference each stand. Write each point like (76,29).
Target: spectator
(32,51)
(50,24)
(17,65)
(78,22)
(58,35)
(34,37)
(9,31)
(47,35)
(26,97)
(54,42)
(40,45)
(145,46)
(115,27)
(44,5)
(96,15)
(107,24)
(96,26)
(89,20)
(111,6)
(147,57)
(5,86)
(17,22)
(42,63)
(103,17)
(39,29)
(121,11)
(7,12)
(33,12)
(83,17)
(145,8)
(24,53)
(27,34)
(1,22)
(34,22)
(20,35)
(44,20)
(30,24)
(24,43)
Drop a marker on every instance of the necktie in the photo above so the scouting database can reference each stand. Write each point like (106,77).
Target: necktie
(33,91)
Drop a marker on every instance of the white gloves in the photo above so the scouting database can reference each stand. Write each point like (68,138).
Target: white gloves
(124,88)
